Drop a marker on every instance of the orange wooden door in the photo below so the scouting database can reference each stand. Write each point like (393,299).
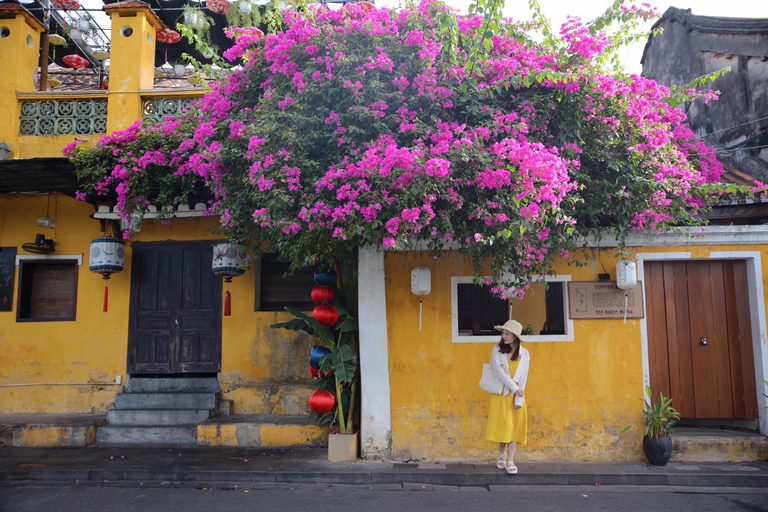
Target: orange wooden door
(700,337)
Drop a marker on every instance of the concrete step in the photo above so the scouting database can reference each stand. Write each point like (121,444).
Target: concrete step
(159,385)
(48,430)
(165,401)
(263,431)
(157,416)
(268,398)
(125,435)
(717,445)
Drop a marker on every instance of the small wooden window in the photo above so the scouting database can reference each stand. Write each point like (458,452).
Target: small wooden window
(47,290)
(275,292)
(479,310)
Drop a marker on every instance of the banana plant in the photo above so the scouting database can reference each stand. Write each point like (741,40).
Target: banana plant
(342,342)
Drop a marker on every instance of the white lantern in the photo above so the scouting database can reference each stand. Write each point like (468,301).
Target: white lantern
(107,257)
(179,69)
(228,262)
(76,34)
(83,25)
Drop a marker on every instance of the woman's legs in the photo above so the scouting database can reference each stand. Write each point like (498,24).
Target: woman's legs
(501,462)
(511,452)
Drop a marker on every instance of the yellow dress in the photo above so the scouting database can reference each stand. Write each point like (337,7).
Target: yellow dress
(505,423)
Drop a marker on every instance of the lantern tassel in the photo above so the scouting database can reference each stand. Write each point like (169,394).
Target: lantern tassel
(106,298)
(227,304)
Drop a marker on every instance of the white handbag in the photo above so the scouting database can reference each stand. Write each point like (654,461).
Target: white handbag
(489,382)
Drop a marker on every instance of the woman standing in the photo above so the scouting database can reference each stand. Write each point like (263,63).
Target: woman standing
(508,415)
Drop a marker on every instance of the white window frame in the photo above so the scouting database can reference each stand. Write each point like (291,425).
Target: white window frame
(455,338)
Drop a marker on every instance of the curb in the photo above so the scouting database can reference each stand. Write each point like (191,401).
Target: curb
(434,477)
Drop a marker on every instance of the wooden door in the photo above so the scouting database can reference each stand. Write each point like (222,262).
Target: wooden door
(700,337)
(175,309)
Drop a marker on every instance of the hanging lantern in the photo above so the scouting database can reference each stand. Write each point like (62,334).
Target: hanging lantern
(228,262)
(321,401)
(366,6)
(168,36)
(56,40)
(107,257)
(218,6)
(179,70)
(245,7)
(100,55)
(67,5)
(326,278)
(326,314)
(76,62)
(316,355)
(322,294)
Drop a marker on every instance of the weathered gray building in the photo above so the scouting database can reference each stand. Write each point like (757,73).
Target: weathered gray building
(690,46)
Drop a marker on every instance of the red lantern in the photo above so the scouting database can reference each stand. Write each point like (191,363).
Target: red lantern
(319,373)
(218,6)
(168,36)
(366,6)
(322,294)
(76,62)
(325,314)
(67,5)
(321,401)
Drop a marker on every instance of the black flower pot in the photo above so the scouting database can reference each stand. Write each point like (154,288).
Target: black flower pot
(658,450)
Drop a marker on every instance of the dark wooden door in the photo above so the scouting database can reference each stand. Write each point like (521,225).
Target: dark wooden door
(700,337)
(175,310)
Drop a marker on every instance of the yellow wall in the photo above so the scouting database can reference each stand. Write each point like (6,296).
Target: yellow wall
(51,367)
(580,394)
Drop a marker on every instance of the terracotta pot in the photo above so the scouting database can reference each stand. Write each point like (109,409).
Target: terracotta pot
(343,447)
(658,450)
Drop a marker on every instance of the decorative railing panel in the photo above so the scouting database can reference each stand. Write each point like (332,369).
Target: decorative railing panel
(158,108)
(63,117)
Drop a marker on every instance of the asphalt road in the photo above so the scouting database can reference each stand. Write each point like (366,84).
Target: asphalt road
(170,497)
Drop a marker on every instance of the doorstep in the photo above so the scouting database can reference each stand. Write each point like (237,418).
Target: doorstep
(49,430)
(713,444)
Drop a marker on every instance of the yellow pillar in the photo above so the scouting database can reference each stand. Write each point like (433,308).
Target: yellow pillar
(132,60)
(19,55)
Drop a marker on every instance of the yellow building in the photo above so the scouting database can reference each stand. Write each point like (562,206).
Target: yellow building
(695,326)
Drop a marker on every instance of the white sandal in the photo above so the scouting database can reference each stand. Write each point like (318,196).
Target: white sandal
(511,468)
(501,462)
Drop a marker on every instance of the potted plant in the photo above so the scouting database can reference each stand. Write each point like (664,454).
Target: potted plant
(338,369)
(659,420)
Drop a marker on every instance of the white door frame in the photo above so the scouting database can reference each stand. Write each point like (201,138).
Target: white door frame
(756,313)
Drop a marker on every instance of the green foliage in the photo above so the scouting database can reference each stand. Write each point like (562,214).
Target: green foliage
(659,417)
(238,18)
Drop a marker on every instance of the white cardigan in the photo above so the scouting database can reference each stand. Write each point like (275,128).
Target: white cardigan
(500,367)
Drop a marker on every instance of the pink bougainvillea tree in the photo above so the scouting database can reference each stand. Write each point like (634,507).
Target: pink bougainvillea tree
(390,128)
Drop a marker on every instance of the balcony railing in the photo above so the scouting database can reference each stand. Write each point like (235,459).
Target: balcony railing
(63,116)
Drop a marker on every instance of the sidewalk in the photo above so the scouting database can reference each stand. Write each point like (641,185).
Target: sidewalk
(308,465)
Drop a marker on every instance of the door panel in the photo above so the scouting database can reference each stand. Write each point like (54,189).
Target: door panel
(175,312)
(693,301)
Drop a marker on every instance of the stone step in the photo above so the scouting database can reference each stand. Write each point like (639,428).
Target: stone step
(126,435)
(268,398)
(165,401)
(718,445)
(263,431)
(157,416)
(159,385)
